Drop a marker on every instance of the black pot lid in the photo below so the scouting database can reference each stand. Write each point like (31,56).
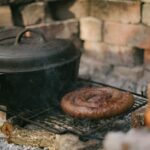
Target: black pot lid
(24,56)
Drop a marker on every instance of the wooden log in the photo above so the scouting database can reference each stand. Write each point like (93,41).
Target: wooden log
(147,112)
(137,117)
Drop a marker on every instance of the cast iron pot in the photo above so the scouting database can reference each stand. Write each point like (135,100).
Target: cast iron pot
(33,74)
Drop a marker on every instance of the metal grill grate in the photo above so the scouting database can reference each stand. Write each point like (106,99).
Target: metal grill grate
(53,119)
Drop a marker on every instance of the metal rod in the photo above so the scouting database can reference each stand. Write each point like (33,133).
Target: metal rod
(39,125)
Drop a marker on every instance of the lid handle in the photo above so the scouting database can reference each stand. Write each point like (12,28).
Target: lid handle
(20,35)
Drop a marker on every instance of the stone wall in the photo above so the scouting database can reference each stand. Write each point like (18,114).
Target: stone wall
(116,32)
(114,29)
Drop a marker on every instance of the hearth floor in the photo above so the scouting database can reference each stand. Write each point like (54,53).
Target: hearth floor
(88,71)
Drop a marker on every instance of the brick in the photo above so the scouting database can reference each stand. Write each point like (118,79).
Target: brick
(127,34)
(80,8)
(146,14)
(5,16)
(59,29)
(116,55)
(125,12)
(90,29)
(70,9)
(33,13)
(96,49)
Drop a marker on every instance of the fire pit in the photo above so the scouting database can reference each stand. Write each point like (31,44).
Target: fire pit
(54,120)
(35,75)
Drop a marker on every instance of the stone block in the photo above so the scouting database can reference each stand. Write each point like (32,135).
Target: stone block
(96,49)
(90,29)
(127,34)
(5,16)
(121,11)
(80,8)
(146,14)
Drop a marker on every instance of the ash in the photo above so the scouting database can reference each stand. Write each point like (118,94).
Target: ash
(5,146)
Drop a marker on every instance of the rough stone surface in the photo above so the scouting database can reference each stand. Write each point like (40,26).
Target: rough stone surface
(127,34)
(5,16)
(116,55)
(126,12)
(59,29)
(33,13)
(72,142)
(80,8)
(146,14)
(96,49)
(90,29)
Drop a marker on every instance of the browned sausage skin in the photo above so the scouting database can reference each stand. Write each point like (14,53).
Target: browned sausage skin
(96,102)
